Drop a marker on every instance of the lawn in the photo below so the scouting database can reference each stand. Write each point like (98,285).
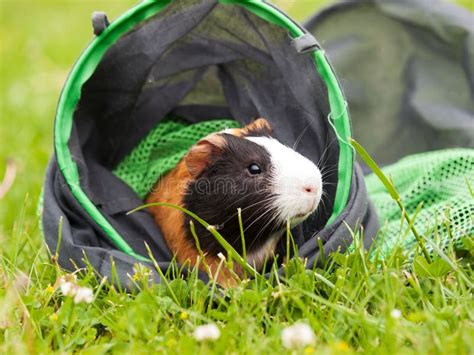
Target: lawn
(352,304)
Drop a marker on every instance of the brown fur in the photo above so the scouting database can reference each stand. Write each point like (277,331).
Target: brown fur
(200,155)
(258,125)
(170,189)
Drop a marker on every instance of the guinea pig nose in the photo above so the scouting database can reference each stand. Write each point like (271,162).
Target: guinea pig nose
(311,189)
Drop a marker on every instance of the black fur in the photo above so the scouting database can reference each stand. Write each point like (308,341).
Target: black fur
(227,185)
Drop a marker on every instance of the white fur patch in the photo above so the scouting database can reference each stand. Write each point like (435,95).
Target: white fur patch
(296,181)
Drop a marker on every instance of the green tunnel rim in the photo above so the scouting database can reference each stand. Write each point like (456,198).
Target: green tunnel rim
(90,58)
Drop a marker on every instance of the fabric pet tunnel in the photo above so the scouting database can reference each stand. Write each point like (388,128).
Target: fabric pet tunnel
(180,69)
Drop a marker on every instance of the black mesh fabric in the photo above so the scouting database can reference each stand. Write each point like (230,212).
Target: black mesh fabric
(199,60)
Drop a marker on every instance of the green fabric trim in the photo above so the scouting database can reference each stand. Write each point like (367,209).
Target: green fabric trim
(89,60)
(339,120)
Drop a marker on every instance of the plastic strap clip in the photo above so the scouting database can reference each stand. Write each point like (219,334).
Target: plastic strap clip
(305,43)
(99,22)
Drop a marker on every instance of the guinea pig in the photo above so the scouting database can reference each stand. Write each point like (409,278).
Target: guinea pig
(242,168)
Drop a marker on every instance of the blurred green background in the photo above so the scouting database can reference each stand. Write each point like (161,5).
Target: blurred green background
(39,42)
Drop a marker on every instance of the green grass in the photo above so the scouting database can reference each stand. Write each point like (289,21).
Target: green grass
(348,303)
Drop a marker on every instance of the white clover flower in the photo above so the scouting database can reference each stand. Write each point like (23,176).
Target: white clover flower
(298,336)
(84,294)
(208,332)
(396,313)
(68,288)
(67,285)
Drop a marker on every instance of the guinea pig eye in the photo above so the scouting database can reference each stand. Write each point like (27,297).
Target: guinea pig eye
(254,169)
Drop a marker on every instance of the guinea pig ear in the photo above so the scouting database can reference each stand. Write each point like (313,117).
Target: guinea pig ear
(203,153)
(258,127)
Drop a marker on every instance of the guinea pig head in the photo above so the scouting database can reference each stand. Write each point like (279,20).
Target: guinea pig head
(248,170)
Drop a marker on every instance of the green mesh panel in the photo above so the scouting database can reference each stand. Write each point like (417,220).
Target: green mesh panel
(162,149)
(438,180)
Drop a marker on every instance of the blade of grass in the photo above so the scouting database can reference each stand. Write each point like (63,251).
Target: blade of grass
(163,277)
(242,238)
(392,191)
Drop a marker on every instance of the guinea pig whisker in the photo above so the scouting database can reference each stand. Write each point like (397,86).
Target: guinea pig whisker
(238,201)
(260,233)
(270,220)
(246,195)
(327,174)
(256,203)
(264,206)
(322,203)
(298,140)
(266,200)
(258,218)
(325,170)
(218,212)
(323,155)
